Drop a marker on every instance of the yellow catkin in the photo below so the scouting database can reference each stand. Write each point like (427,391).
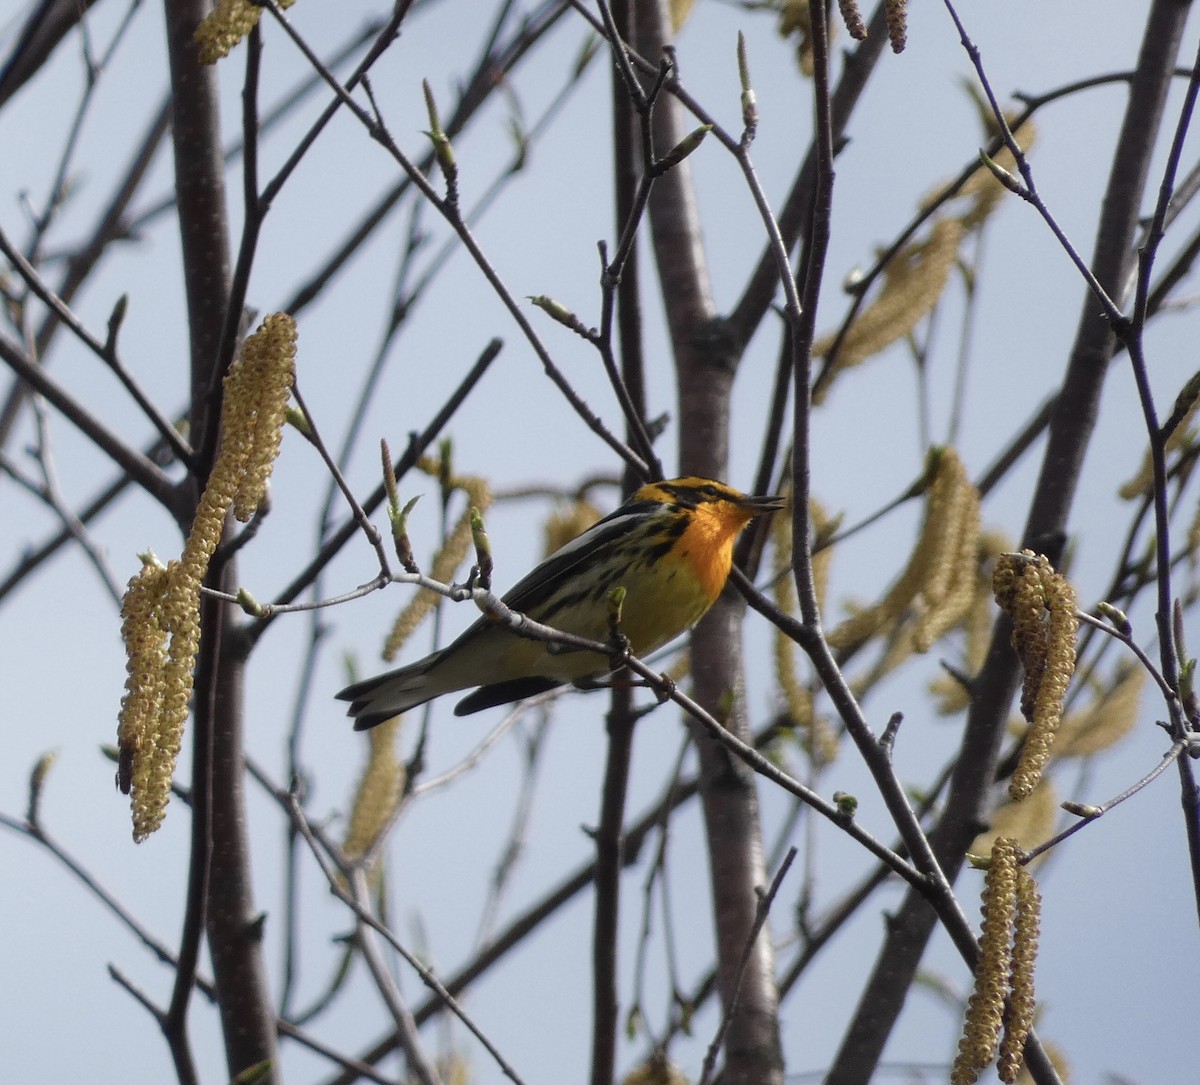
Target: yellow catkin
(1107,721)
(912,284)
(945,573)
(145,689)
(246,447)
(680,10)
(1182,437)
(1019,1010)
(658,1070)
(818,737)
(794,20)
(379,790)
(445,563)
(949,591)
(852,17)
(226,25)
(1027,823)
(455,1069)
(1062,627)
(985,1008)
(950,694)
(936,583)
(569,522)
(1028,614)
(257,388)
(1042,606)
(897,23)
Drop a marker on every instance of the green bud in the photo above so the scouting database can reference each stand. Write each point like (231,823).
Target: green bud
(296,418)
(559,312)
(616,603)
(398,517)
(483,549)
(1116,617)
(249,604)
(682,149)
(749,101)
(389,479)
(435,124)
(442,150)
(633,1023)
(1001,174)
(846,803)
(37,778)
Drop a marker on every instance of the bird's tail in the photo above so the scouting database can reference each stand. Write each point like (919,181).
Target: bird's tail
(386,695)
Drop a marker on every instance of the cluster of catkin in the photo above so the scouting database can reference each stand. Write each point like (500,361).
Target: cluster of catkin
(1000,1011)
(1041,604)
(161,609)
(937,587)
(913,282)
(795,19)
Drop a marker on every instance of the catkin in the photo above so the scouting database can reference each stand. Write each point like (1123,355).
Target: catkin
(161,610)
(379,790)
(985,1008)
(1105,722)
(258,387)
(896,12)
(569,522)
(1027,823)
(951,694)
(138,726)
(937,583)
(1019,1009)
(1042,607)
(852,17)
(912,284)
(657,1070)
(794,19)
(226,25)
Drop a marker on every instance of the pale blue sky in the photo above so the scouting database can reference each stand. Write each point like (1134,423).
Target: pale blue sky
(1120,932)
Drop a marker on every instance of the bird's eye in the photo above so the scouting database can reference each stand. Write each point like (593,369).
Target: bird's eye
(709,491)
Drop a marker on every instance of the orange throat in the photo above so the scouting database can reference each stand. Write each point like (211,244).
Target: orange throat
(707,544)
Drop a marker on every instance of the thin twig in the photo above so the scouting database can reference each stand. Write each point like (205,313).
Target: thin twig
(323,853)
(765,901)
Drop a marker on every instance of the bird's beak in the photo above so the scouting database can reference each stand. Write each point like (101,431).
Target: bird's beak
(760,505)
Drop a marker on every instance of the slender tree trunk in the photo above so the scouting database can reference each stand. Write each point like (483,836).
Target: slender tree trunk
(219,821)
(705,363)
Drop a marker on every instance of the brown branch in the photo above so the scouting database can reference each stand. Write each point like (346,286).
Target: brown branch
(138,467)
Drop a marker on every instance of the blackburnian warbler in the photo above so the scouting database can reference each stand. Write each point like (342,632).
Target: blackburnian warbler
(670,546)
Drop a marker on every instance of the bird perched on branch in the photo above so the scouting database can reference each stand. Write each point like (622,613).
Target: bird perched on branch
(670,547)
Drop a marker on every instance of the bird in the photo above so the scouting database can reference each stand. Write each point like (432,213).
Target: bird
(670,546)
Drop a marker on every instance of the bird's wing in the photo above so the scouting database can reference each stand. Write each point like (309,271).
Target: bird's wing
(547,578)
